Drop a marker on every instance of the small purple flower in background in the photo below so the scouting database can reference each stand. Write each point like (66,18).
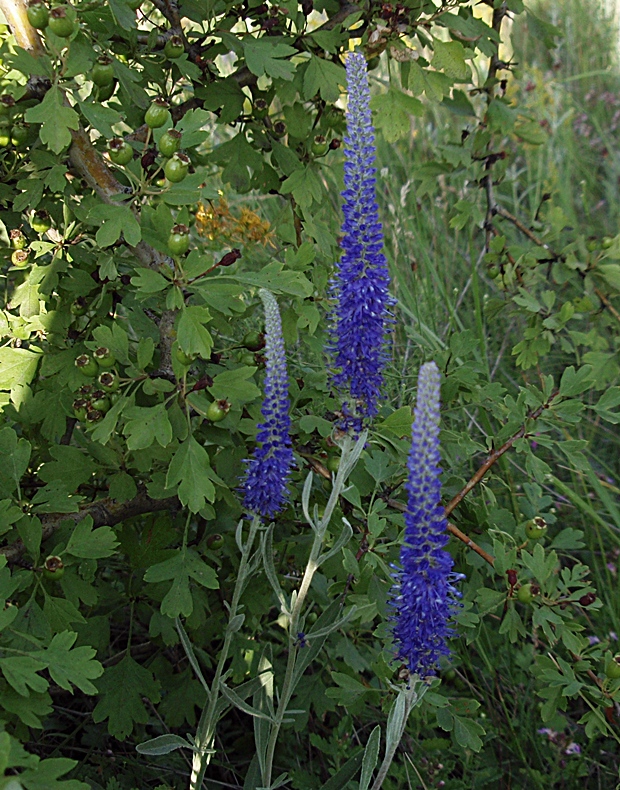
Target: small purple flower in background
(593,640)
(265,484)
(424,594)
(573,748)
(361,314)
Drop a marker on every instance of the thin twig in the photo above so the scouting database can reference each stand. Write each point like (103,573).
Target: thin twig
(497,454)
(453,530)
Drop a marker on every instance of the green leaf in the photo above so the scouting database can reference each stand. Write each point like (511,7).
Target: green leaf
(163,744)
(449,57)
(192,335)
(572,383)
(531,132)
(61,613)
(467,733)
(90,543)
(145,425)
(56,498)
(21,673)
(371,754)
(115,338)
(608,401)
(45,776)
(324,76)
(190,190)
(129,79)
(610,272)
(121,690)
(71,467)
(304,185)
(15,455)
(233,385)
(107,426)
(100,117)
(122,487)
(190,469)
(273,278)
(399,422)
(346,773)
(114,221)
(17,367)
(181,568)
(392,111)
(71,666)
(264,56)
(56,118)
(123,14)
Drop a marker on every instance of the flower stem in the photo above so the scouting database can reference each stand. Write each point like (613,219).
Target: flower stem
(208,720)
(350,453)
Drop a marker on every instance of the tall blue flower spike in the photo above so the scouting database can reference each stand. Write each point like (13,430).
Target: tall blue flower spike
(361,315)
(265,483)
(424,594)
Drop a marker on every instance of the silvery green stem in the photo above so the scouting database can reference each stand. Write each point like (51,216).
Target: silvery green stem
(351,451)
(205,731)
(407,700)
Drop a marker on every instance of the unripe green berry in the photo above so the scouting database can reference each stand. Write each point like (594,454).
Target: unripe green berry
(536,528)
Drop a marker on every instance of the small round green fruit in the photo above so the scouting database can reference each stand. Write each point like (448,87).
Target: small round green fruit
(169,142)
(86,365)
(215,542)
(178,240)
(79,307)
(38,14)
(177,167)
(100,401)
(525,593)
(174,47)
(319,146)
(157,114)
(102,73)
(18,240)
(182,358)
(108,381)
(536,528)
(60,22)
(218,410)
(612,670)
(120,152)
(41,221)
(104,357)
(20,258)
(53,568)
(254,341)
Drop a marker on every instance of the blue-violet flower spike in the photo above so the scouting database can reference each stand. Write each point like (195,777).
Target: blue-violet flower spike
(361,315)
(424,594)
(265,483)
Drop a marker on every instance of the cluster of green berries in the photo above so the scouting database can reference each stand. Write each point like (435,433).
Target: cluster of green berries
(94,400)
(12,132)
(40,222)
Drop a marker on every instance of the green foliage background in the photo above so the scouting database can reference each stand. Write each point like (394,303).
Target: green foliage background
(498,188)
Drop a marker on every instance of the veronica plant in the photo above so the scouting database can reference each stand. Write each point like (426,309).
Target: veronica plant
(265,484)
(264,492)
(425,596)
(361,316)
